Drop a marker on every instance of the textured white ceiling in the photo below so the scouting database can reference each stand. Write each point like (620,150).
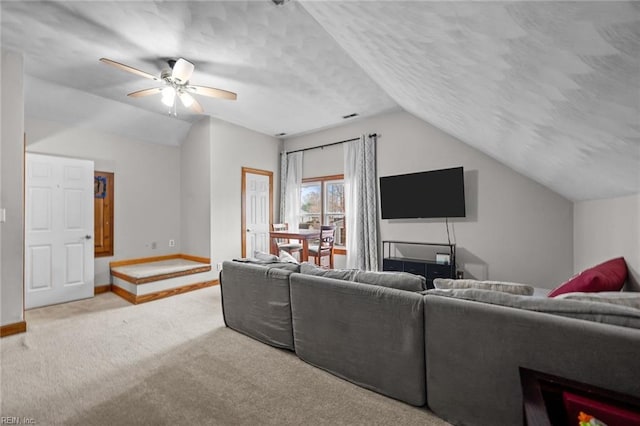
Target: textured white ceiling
(551,89)
(290,75)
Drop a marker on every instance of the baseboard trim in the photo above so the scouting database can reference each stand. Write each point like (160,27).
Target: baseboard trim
(15,328)
(102,289)
(136,300)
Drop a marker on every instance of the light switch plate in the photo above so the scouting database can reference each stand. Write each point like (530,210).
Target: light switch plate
(3,215)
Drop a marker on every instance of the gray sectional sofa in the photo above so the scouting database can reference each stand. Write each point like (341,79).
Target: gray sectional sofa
(459,351)
(371,335)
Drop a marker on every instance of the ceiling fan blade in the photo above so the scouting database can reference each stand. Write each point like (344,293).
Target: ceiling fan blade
(145,92)
(196,107)
(212,92)
(129,69)
(182,70)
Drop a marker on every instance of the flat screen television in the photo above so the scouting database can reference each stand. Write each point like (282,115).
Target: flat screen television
(429,194)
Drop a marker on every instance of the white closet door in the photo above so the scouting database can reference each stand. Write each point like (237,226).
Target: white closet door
(59,230)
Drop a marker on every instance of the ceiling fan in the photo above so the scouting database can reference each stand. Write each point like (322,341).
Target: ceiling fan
(176,84)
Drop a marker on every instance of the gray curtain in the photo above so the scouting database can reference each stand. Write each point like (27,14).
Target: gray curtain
(361,203)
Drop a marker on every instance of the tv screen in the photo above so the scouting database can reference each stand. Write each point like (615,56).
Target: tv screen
(430,194)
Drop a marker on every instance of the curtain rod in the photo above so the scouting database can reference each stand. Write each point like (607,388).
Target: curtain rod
(329,144)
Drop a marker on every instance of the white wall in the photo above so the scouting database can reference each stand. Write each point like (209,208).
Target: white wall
(322,162)
(515,229)
(195,189)
(11,189)
(604,229)
(146,180)
(234,147)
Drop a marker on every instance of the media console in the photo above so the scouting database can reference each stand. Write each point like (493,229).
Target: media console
(393,260)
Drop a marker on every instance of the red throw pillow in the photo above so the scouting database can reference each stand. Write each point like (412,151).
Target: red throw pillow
(607,276)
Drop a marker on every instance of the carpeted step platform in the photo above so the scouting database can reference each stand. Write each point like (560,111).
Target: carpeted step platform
(145,279)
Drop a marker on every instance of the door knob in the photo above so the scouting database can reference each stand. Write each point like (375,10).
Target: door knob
(87,237)
(248,230)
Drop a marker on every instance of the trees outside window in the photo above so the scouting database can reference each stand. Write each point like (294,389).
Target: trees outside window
(322,203)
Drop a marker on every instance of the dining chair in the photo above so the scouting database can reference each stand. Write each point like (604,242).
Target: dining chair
(284,243)
(324,247)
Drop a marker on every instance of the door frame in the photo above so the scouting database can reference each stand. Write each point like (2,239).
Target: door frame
(243,207)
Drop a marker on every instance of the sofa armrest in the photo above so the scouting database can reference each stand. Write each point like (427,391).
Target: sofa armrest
(256,302)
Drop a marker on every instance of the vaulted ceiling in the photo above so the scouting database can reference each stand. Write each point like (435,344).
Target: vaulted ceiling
(551,89)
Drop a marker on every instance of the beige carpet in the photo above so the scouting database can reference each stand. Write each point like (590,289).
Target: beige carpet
(103,361)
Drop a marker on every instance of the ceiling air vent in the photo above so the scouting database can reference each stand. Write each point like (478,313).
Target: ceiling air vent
(355,114)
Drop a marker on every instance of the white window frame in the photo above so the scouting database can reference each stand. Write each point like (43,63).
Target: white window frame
(324,180)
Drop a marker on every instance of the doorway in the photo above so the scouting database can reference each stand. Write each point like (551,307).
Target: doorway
(257,210)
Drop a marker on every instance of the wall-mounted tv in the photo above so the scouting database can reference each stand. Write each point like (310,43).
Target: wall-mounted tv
(429,194)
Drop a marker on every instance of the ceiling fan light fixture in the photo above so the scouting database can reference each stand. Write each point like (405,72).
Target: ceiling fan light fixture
(186,99)
(168,96)
(176,83)
(182,71)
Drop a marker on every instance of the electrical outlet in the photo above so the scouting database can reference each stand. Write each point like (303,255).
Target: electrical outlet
(154,245)
(219,266)
(172,243)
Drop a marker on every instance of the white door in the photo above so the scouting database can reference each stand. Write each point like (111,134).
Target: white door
(59,230)
(257,208)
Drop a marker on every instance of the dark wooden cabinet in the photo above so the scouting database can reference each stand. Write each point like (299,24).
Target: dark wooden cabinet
(430,269)
(103,214)
(389,264)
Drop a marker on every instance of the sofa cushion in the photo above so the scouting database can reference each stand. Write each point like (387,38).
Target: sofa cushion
(266,257)
(607,276)
(370,335)
(397,280)
(586,310)
(338,274)
(287,258)
(506,287)
(630,299)
(293,267)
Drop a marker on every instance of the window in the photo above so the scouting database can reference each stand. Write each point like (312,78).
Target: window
(322,202)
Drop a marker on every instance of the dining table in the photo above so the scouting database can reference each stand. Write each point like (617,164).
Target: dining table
(302,235)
